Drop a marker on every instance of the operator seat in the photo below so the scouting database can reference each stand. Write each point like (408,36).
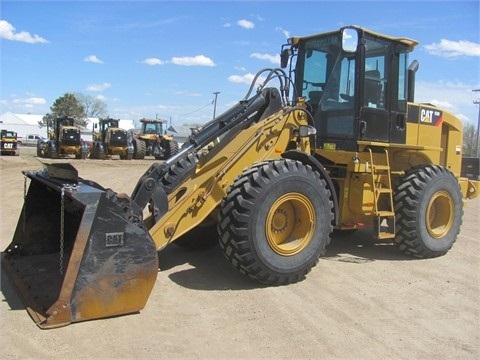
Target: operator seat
(373,89)
(314,98)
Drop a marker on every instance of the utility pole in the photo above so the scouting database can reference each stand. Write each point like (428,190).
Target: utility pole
(215,103)
(477,102)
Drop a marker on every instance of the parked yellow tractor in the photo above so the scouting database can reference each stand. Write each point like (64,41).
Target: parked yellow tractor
(8,142)
(153,140)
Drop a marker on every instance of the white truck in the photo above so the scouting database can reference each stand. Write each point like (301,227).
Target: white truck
(29,140)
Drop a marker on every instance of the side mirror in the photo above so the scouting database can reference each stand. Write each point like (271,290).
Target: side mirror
(284,56)
(349,40)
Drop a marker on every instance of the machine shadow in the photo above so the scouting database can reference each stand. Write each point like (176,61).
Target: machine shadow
(360,247)
(210,270)
(11,298)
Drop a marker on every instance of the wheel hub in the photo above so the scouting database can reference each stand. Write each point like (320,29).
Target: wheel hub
(290,224)
(439,216)
(280,221)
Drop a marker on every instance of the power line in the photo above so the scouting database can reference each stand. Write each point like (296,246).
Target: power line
(203,107)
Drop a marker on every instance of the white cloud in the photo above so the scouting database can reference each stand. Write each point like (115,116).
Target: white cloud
(444,104)
(185,93)
(153,61)
(98,87)
(29,102)
(245,24)
(244,79)
(199,60)
(453,49)
(285,32)
(274,59)
(93,59)
(454,97)
(7,31)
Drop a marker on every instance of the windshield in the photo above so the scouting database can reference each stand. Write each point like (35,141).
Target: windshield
(328,73)
(153,128)
(325,76)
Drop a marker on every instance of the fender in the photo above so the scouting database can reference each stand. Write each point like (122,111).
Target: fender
(317,165)
(130,148)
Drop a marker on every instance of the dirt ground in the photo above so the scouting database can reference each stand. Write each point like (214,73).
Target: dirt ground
(363,300)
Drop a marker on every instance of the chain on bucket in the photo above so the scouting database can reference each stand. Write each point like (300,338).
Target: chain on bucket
(65,187)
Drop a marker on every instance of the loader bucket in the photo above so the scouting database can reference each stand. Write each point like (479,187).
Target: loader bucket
(79,251)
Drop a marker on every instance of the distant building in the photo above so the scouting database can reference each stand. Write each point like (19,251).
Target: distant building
(180,133)
(22,124)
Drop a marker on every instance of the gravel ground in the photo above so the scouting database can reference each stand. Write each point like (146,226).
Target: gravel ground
(363,300)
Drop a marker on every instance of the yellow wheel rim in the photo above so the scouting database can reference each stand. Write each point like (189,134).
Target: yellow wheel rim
(439,215)
(290,224)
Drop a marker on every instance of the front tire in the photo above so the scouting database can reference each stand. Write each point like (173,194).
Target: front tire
(429,210)
(52,154)
(275,221)
(39,150)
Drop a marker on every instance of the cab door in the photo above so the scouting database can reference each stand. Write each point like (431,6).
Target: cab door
(383,100)
(374,115)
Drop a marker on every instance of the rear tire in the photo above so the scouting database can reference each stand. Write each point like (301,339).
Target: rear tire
(140,149)
(171,149)
(429,210)
(275,221)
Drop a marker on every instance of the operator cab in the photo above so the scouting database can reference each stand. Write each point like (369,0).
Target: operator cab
(354,82)
(152,127)
(111,133)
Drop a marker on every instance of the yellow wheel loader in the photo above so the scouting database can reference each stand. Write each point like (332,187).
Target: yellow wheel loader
(337,144)
(64,140)
(111,140)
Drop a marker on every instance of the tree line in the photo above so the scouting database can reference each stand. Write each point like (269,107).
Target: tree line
(471,147)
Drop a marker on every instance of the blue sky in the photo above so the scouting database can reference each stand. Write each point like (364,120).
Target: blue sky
(167,58)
